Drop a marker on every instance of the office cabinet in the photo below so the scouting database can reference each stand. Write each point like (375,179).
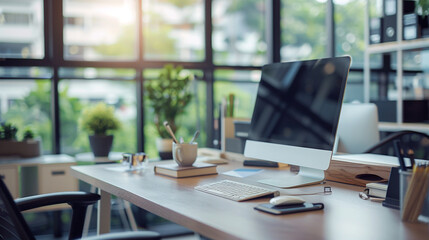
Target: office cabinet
(44,174)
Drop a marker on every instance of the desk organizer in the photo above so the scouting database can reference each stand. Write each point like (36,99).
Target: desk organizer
(414,196)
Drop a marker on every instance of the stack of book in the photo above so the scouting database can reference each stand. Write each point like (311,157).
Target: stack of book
(377,190)
(174,170)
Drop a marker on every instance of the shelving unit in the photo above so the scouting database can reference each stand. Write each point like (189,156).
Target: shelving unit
(399,46)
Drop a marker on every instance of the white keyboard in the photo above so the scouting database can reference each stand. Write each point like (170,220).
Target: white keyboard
(235,191)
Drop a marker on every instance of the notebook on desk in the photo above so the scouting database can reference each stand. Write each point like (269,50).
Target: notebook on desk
(174,170)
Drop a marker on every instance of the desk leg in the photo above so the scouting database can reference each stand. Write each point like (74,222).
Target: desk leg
(103,213)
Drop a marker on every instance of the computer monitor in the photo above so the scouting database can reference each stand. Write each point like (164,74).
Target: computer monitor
(296,115)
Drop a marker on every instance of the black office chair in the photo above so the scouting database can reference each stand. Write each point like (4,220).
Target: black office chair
(13,225)
(417,141)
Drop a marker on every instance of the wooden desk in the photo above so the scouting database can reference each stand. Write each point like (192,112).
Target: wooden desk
(345,216)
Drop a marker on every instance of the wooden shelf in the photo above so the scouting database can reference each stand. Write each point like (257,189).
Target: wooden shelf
(398,45)
(394,127)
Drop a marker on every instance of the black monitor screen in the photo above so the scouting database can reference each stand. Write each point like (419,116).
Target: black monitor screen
(299,103)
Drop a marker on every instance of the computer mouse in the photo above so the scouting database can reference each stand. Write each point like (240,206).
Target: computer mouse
(286,200)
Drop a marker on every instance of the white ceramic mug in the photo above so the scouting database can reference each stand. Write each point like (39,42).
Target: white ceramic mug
(185,154)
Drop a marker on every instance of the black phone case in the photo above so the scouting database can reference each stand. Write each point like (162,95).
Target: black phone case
(287,209)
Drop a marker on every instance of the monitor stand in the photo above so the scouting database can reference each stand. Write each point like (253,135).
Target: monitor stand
(306,176)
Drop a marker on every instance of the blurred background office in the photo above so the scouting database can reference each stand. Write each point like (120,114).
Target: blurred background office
(59,57)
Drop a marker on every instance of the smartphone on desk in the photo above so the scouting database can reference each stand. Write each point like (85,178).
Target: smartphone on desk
(287,209)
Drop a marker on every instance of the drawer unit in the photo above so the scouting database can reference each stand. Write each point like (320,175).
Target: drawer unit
(56,178)
(9,174)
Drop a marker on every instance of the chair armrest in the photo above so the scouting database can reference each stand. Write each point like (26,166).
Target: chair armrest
(146,235)
(79,201)
(72,198)
(393,137)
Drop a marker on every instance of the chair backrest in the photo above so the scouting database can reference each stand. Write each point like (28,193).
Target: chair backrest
(357,128)
(12,223)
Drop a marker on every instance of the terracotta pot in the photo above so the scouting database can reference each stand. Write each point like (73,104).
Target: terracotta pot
(25,149)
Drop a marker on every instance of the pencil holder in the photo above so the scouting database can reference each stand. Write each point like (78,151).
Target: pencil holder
(414,197)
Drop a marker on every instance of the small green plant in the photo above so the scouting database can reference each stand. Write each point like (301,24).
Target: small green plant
(28,134)
(99,119)
(8,131)
(168,96)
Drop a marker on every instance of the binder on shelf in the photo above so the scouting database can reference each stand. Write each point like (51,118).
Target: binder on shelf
(375,30)
(389,8)
(389,28)
(389,20)
(375,21)
(411,26)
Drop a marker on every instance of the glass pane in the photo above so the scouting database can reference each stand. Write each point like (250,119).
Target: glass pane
(194,117)
(239,32)
(354,88)
(303,29)
(21,28)
(349,29)
(244,92)
(173,30)
(27,104)
(76,95)
(100,30)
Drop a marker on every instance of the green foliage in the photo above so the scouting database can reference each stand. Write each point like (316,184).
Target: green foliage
(169,96)
(424,7)
(99,119)
(8,131)
(28,134)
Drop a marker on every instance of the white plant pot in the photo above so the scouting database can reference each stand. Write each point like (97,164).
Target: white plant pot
(165,148)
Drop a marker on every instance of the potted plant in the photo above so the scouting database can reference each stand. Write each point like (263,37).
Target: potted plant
(99,121)
(168,97)
(10,146)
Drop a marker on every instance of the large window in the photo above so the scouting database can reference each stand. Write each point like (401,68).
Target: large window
(110,48)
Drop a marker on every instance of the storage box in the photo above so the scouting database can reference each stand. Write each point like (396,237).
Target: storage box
(360,169)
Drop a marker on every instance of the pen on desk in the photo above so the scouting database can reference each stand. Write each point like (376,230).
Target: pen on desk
(167,126)
(398,151)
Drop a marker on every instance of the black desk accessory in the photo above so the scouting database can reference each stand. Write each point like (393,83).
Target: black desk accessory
(260,163)
(392,195)
(279,210)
